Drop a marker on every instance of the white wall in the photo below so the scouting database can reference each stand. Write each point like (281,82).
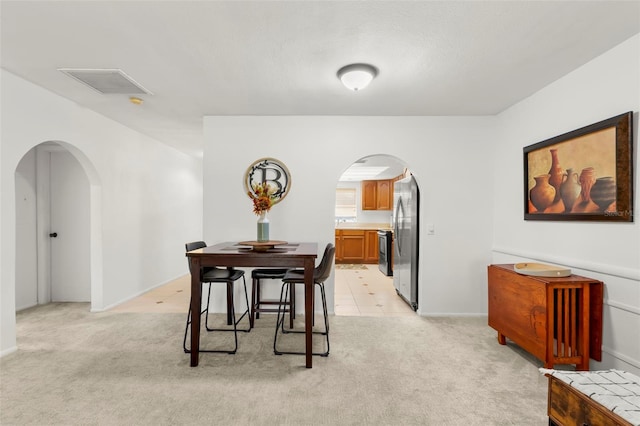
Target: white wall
(451,157)
(26,274)
(146,196)
(604,87)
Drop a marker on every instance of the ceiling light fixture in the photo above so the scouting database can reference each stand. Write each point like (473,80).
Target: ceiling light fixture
(357,76)
(135,100)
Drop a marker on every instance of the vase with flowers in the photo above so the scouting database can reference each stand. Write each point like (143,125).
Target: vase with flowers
(263,199)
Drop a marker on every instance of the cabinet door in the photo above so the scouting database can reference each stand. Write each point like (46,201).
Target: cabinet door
(338,246)
(369,198)
(371,245)
(384,194)
(353,246)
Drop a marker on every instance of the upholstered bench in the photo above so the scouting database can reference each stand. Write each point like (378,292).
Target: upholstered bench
(610,397)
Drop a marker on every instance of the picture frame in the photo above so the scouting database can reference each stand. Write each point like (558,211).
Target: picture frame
(582,175)
(268,170)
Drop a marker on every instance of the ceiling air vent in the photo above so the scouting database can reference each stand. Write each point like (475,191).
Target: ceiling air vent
(107,81)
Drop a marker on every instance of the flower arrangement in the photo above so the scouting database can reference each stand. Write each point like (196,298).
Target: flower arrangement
(263,197)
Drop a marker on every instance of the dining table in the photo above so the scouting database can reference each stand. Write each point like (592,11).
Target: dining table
(280,254)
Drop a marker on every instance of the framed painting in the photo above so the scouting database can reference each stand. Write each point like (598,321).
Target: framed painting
(586,174)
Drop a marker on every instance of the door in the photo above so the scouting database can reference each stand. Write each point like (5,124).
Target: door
(69,229)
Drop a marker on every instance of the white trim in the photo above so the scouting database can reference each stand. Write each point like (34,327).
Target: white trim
(616,271)
(453,315)
(622,306)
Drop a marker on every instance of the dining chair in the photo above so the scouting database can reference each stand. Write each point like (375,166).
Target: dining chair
(210,275)
(296,276)
(258,304)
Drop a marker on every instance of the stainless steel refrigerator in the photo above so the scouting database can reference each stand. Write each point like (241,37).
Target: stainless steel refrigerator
(406,200)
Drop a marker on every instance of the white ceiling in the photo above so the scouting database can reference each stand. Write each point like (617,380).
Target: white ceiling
(202,58)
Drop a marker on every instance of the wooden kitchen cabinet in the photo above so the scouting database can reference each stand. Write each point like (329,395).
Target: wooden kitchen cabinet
(384,195)
(371,246)
(377,194)
(558,320)
(338,246)
(369,195)
(356,246)
(350,246)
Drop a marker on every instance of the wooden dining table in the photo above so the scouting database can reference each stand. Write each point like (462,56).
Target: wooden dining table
(234,254)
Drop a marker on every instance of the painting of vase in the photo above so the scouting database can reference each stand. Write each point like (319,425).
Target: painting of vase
(603,192)
(583,204)
(555,173)
(597,173)
(569,189)
(542,194)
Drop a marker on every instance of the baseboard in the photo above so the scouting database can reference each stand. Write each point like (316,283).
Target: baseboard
(622,357)
(8,351)
(453,315)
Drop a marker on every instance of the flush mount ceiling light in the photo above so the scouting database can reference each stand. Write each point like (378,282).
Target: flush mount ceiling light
(135,100)
(357,76)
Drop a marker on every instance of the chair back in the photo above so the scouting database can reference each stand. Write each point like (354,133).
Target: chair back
(323,270)
(195,245)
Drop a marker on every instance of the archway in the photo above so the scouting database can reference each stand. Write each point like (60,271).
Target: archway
(364,281)
(34,179)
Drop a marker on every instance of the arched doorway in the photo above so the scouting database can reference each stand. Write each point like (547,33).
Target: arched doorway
(364,283)
(58,253)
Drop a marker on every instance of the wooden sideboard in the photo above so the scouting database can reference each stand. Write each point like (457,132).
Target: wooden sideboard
(558,320)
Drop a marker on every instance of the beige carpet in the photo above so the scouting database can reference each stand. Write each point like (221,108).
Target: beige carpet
(79,368)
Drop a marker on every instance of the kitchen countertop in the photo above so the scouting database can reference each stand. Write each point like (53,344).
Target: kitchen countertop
(364,225)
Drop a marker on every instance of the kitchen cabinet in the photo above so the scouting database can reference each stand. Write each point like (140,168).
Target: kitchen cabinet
(384,195)
(557,320)
(349,245)
(369,195)
(377,194)
(371,246)
(356,246)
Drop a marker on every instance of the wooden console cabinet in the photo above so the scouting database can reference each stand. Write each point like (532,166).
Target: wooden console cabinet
(558,320)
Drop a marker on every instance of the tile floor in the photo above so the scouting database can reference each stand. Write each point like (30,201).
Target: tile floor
(171,297)
(361,290)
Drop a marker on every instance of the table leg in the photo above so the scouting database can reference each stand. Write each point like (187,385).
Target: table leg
(196,303)
(308,310)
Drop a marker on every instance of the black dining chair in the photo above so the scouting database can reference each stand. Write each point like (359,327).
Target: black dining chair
(296,276)
(229,276)
(258,303)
